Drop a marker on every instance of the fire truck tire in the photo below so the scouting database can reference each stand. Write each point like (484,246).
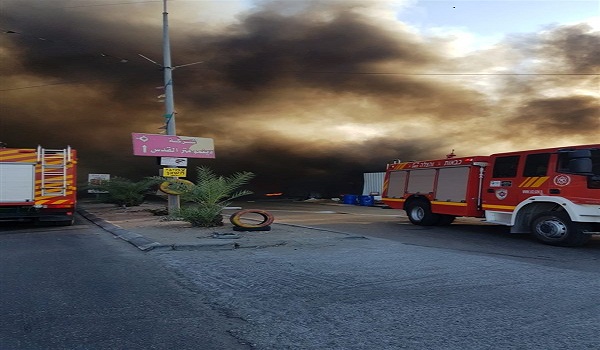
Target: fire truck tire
(419,213)
(556,228)
(68,222)
(267,219)
(446,220)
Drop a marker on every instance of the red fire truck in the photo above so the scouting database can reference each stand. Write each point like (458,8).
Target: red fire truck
(38,184)
(553,193)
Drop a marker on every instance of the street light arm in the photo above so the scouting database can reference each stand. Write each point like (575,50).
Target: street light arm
(146,58)
(187,64)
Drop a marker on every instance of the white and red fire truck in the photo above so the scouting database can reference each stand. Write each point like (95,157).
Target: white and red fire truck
(38,184)
(553,193)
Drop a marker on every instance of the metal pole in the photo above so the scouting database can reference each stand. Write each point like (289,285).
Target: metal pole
(173,200)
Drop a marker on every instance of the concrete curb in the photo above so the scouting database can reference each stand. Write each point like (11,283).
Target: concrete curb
(141,242)
(145,244)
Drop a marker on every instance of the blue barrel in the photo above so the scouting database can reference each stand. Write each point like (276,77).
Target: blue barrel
(350,199)
(366,201)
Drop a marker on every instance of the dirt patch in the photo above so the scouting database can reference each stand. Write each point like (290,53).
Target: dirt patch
(142,217)
(132,217)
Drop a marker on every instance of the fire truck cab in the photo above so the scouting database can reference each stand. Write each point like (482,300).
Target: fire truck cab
(552,193)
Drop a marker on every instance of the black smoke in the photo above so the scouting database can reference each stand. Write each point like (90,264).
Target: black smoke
(306,95)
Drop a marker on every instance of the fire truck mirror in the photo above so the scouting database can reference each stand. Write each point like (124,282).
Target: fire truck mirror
(581,166)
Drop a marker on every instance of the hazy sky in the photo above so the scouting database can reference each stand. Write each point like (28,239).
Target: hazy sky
(307,94)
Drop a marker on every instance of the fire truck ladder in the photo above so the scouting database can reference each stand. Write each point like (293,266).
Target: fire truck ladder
(54,164)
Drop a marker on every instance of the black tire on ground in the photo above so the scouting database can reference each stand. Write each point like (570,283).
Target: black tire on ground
(556,228)
(446,220)
(419,213)
(267,217)
(67,222)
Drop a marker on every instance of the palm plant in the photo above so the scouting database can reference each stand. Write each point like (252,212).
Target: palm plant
(210,195)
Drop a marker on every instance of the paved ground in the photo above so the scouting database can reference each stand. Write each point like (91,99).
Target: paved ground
(301,288)
(147,231)
(370,294)
(76,287)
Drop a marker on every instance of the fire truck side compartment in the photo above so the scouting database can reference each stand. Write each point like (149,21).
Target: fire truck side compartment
(17,182)
(421,181)
(397,184)
(452,184)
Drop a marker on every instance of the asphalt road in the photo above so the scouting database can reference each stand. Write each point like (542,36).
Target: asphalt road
(79,288)
(470,235)
(467,286)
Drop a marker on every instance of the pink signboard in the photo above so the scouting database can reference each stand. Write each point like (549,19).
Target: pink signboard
(172,146)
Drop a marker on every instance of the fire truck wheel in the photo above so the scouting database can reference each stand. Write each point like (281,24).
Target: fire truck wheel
(556,228)
(68,222)
(446,220)
(419,213)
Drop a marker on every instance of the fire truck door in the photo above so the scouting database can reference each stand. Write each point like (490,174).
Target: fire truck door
(501,191)
(534,179)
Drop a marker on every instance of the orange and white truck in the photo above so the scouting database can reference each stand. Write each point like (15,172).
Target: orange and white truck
(552,193)
(38,184)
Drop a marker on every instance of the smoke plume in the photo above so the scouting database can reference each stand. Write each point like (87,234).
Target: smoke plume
(308,95)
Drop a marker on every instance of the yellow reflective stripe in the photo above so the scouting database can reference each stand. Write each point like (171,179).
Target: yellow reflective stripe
(528,181)
(394,199)
(399,166)
(523,183)
(55,201)
(533,181)
(456,204)
(540,181)
(505,207)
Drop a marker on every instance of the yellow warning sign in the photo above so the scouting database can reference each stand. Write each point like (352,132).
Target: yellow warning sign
(174,172)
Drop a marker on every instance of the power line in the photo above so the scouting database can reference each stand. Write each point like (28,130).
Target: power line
(449,74)
(111,4)
(52,84)
(406,74)
(350,73)
(72,46)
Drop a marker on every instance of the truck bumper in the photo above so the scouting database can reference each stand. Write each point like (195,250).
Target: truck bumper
(29,213)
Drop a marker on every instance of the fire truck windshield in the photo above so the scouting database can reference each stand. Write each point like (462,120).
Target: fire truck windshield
(596,162)
(580,161)
(594,180)
(584,162)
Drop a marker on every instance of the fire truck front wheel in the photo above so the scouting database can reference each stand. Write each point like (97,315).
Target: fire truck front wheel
(556,228)
(419,213)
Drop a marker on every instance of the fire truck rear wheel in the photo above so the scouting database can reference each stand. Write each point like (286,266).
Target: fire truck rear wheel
(556,228)
(446,220)
(68,222)
(419,213)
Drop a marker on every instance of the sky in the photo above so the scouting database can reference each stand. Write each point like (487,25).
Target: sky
(308,95)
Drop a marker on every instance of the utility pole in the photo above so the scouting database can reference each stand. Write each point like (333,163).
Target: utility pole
(173,200)
(169,115)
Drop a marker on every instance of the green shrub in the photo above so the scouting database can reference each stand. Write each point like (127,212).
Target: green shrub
(124,192)
(202,215)
(210,195)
